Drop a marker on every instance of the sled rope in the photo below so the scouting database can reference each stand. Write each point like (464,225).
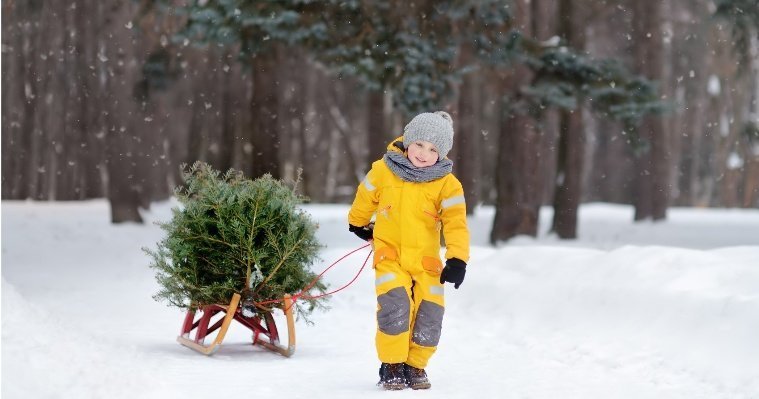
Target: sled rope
(302,293)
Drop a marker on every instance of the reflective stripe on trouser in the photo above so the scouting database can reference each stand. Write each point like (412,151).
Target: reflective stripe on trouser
(408,327)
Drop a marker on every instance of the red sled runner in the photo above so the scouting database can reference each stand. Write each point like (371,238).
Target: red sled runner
(264,329)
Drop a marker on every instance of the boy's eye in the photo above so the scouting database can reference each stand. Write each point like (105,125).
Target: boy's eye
(433,149)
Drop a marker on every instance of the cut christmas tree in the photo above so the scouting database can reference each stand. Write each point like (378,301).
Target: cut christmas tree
(236,235)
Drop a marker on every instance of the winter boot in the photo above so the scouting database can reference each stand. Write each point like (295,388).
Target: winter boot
(416,378)
(392,376)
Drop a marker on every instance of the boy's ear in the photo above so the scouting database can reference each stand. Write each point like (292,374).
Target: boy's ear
(399,144)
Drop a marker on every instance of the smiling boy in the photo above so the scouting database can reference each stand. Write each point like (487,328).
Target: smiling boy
(413,195)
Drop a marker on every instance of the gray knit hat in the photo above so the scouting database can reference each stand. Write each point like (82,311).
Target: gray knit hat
(435,127)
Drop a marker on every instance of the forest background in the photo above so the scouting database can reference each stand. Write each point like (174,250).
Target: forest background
(653,103)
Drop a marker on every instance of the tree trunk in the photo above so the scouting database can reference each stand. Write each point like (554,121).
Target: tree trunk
(90,158)
(466,150)
(569,165)
(379,128)
(42,142)
(518,180)
(751,151)
(70,92)
(17,111)
(307,131)
(263,110)
(507,216)
(226,142)
(197,141)
(691,164)
(339,103)
(518,193)
(751,180)
(692,72)
(295,106)
(126,187)
(653,176)
(544,15)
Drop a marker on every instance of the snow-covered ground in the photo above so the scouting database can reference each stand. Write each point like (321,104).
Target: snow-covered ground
(649,310)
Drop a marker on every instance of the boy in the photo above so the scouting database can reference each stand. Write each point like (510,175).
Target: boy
(414,195)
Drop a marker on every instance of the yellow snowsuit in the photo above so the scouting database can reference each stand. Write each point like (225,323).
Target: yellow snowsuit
(409,217)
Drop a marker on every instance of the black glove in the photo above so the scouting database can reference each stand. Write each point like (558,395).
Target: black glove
(365,233)
(453,272)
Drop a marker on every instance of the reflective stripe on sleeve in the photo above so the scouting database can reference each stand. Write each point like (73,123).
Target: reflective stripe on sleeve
(369,186)
(449,202)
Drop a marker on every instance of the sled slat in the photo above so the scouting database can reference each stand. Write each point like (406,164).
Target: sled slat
(274,346)
(213,347)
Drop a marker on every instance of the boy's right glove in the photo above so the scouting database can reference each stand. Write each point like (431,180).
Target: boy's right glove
(453,272)
(365,233)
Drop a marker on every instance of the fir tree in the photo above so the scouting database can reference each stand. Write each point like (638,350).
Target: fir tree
(743,15)
(410,49)
(563,77)
(406,48)
(235,235)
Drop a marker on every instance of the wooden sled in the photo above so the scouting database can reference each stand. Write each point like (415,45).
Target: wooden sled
(260,325)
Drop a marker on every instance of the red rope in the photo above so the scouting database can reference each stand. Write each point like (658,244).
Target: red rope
(339,289)
(301,294)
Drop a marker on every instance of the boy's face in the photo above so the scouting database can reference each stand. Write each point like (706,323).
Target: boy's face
(422,154)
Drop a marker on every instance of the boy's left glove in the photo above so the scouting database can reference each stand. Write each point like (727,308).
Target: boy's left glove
(365,233)
(453,272)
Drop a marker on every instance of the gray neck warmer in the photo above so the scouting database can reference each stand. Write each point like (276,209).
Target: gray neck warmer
(403,168)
